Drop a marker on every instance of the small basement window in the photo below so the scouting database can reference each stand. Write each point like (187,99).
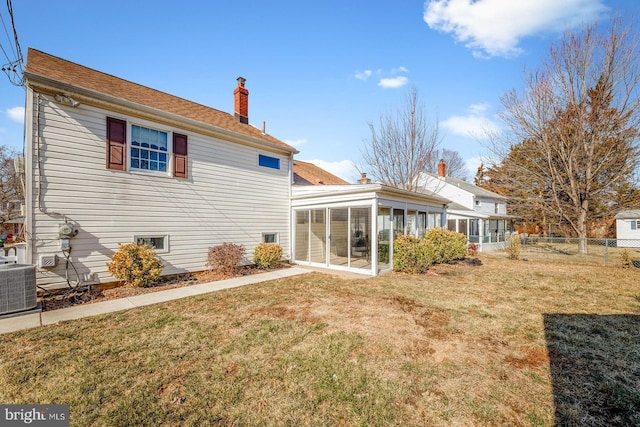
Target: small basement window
(159,243)
(270,237)
(268,161)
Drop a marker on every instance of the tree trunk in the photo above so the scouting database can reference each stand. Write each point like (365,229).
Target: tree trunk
(582,228)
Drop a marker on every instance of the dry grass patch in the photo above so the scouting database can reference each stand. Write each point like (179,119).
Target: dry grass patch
(505,343)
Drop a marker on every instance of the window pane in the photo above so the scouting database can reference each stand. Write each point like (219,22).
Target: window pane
(270,238)
(153,149)
(268,162)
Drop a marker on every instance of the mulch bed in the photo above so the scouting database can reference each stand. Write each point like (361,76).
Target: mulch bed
(63,298)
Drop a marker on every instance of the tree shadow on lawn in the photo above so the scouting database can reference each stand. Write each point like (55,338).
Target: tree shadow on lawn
(595,368)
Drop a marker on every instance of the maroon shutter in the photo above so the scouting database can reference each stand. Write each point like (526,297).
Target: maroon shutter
(179,155)
(116,144)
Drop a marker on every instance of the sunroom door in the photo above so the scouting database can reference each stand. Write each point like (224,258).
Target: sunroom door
(339,236)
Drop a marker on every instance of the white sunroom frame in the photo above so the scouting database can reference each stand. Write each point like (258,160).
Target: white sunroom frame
(372,196)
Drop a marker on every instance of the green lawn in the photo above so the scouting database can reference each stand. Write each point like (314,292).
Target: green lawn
(505,343)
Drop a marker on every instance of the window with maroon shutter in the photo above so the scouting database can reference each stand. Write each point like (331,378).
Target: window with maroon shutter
(179,155)
(116,144)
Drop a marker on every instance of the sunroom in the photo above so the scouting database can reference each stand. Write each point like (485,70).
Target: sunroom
(488,232)
(352,227)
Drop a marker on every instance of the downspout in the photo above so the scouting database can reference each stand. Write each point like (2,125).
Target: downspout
(290,213)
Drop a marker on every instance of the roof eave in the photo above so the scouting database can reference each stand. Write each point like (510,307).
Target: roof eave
(87,96)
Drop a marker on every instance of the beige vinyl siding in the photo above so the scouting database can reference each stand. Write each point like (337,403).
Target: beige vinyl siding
(227,197)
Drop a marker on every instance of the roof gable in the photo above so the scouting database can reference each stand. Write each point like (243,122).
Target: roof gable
(49,68)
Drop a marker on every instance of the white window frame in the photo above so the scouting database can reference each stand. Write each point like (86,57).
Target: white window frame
(277,237)
(164,237)
(156,127)
(634,224)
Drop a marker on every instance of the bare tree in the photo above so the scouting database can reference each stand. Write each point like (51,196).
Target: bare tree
(12,194)
(456,167)
(574,129)
(402,145)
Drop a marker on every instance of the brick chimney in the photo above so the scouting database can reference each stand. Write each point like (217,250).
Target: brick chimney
(442,169)
(241,102)
(363,179)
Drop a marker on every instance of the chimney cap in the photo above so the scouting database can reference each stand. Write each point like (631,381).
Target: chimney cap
(241,80)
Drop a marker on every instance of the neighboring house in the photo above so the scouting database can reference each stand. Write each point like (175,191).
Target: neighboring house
(305,173)
(479,214)
(13,229)
(353,227)
(109,161)
(628,228)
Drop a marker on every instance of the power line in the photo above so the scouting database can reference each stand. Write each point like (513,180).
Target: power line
(14,68)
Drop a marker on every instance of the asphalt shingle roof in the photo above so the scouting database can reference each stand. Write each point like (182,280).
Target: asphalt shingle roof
(53,69)
(305,173)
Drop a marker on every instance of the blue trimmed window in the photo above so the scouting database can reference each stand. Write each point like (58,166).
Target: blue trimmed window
(148,149)
(268,162)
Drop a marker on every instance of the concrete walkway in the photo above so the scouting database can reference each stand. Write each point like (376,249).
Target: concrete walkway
(34,319)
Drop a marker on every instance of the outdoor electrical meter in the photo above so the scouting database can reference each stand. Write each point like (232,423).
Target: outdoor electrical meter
(65,231)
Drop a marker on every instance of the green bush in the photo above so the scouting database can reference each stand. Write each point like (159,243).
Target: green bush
(409,255)
(513,247)
(383,253)
(225,257)
(443,246)
(267,255)
(137,265)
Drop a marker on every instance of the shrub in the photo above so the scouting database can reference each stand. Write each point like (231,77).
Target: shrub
(225,257)
(443,246)
(409,255)
(625,259)
(513,247)
(137,265)
(267,255)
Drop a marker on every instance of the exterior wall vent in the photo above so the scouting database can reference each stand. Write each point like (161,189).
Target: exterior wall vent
(47,261)
(17,288)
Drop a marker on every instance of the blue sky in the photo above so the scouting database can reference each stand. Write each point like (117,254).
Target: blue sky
(318,72)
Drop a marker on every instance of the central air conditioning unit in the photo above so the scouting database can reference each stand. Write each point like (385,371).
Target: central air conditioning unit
(17,288)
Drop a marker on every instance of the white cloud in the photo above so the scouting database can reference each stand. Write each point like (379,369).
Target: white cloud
(393,82)
(296,142)
(400,69)
(387,79)
(345,169)
(495,27)
(16,114)
(476,124)
(363,75)
(472,165)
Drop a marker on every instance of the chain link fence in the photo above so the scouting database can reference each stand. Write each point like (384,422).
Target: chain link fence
(599,251)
